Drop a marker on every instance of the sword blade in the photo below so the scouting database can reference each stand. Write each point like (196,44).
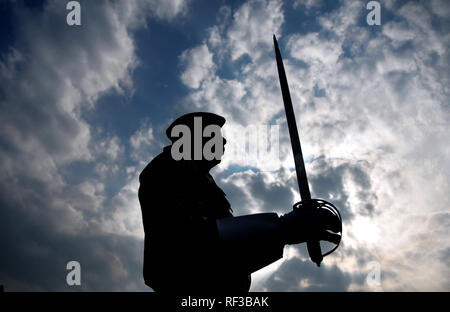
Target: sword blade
(302,179)
(314,250)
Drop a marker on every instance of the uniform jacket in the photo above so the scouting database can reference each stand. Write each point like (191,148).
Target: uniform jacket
(182,252)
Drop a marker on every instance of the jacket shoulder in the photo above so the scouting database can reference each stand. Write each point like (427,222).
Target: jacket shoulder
(153,168)
(163,167)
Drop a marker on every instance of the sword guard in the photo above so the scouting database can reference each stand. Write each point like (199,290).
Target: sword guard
(314,250)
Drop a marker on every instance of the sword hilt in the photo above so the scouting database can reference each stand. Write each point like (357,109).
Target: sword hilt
(314,249)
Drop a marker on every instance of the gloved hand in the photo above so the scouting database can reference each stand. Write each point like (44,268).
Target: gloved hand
(302,225)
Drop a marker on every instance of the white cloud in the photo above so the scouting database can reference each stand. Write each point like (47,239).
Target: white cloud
(254,22)
(124,217)
(440,8)
(308,4)
(310,48)
(144,145)
(168,9)
(398,31)
(199,65)
(248,32)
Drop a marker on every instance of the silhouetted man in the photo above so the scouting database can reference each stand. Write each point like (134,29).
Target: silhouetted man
(192,240)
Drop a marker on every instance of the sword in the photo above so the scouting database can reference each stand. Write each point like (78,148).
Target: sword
(314,250)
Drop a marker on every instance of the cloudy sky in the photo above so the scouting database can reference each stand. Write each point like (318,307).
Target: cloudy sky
(84,109)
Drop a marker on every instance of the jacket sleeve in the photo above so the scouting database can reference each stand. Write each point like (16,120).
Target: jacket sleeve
(252,241)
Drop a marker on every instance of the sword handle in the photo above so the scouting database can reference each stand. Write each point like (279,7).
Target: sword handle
(314,250)
(315,253)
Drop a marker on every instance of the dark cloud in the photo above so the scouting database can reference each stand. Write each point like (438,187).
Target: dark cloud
(269,191)
(42,228)
(298,275)
(36,261)
(328,180)
(237,198)
(275,196)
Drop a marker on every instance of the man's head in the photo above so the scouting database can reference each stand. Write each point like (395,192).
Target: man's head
(197,136)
